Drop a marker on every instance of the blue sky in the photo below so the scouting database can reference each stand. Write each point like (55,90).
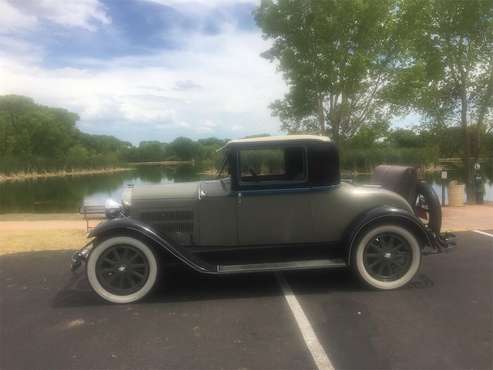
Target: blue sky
(143,69)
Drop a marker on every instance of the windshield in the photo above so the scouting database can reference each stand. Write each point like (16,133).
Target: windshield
(224,170)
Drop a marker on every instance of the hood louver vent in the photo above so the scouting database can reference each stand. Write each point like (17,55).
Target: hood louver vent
(167,216)
(170,221)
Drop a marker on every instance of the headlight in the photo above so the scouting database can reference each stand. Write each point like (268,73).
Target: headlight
(127,197)
(112,209)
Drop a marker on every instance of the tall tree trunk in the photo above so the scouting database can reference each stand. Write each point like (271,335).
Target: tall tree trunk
(468,175)
(485,105)
(321,115)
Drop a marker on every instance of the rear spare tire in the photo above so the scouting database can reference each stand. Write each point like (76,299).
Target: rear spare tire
(386,256)
(427,207)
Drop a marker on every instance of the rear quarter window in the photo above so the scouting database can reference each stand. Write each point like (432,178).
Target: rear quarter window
(323,165)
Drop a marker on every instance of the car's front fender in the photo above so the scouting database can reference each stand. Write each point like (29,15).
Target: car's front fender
(126,224)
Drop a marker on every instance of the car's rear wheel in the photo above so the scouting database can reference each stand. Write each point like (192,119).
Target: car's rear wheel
(386,256)
(122,269)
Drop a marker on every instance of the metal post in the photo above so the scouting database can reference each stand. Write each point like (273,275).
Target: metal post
(444,180)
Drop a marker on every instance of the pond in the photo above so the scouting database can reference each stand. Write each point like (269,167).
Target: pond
(67,194)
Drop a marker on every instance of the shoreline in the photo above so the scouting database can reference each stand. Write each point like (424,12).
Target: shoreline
(21,176)
(164,163)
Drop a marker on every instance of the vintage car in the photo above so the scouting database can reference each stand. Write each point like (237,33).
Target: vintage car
(278,204)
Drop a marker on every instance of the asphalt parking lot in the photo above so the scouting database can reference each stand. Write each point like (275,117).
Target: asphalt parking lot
(49,318)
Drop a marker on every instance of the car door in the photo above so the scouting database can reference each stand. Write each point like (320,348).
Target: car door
(273,205)
(217,214)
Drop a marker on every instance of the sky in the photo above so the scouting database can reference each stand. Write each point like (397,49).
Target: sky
(143,69)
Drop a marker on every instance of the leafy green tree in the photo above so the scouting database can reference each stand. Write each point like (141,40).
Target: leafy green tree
(406,138)
(212,141)
(151,151)
(446,72)
(209,147)
(185,149)
(370,135)
(38,138)
(336,57)
(77,157)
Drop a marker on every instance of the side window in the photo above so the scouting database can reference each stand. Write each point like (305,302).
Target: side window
(272,165)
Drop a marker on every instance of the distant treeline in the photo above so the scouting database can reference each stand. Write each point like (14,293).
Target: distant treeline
(36,138)
(180,149)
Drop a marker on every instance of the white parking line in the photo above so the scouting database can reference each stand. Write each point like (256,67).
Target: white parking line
(318,353)
(483,233)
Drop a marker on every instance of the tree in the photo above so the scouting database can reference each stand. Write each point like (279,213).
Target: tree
(151,151)
(34,137)
(446,72)
(77,157)
(185,149)
(336,57)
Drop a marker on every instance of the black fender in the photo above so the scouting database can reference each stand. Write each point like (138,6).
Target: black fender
(387,214)
(127,224)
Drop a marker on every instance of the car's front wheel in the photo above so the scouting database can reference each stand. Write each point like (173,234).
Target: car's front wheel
(122,269)
(386,256)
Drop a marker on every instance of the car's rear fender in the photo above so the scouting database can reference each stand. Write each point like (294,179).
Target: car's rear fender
(127,225)
(390,215)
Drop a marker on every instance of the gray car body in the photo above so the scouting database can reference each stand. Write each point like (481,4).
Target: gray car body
(235,225)
(210,213)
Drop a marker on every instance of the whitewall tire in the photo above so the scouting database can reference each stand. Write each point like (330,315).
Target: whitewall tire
(386,256)
(122,269)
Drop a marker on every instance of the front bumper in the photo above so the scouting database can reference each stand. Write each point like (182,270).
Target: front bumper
(80,256)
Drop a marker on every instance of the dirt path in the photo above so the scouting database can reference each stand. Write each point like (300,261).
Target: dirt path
(24,232)
(8,226)
(469,217)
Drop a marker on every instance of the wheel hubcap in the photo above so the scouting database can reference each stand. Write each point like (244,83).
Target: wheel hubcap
(122,269)
(387,257)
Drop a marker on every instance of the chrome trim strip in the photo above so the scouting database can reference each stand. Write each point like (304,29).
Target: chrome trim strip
(281,266)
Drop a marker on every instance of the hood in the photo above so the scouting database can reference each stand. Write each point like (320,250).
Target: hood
(184,190)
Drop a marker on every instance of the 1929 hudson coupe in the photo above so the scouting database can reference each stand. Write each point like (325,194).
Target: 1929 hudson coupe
(281,205)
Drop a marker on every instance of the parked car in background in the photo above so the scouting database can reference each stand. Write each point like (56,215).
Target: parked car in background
(279,204)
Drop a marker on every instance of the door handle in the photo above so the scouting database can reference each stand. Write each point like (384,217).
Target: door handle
(239,198)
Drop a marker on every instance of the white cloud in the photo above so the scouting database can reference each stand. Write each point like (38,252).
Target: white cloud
(13,19)
(206,3)
(124,95)
(27,14)
(203,11)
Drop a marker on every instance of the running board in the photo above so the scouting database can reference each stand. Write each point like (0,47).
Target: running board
(282,266)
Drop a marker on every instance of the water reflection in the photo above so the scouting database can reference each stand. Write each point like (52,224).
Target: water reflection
(66,194)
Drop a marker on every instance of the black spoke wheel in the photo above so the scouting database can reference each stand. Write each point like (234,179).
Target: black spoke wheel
(122,269)
(387,257)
